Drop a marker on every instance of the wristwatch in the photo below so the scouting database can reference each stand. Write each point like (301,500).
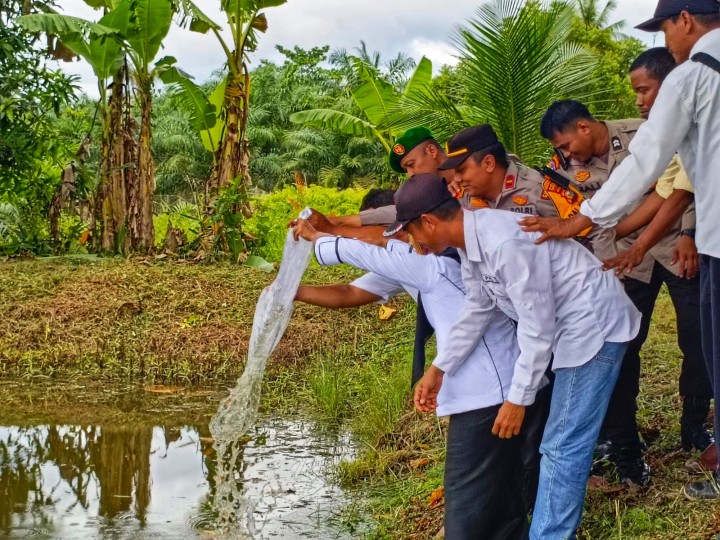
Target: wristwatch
(688,232)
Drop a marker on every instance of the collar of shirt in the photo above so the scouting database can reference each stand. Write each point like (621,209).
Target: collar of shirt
(705,42)
(472,242)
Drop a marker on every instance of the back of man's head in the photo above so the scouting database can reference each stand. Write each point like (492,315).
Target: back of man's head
(658,62)
(562,115)
(377,198)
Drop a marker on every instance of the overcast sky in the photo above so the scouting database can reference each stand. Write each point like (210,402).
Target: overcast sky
(416,27)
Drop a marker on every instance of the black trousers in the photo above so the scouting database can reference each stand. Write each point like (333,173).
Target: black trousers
(620,424)
(485,476)
(710,322)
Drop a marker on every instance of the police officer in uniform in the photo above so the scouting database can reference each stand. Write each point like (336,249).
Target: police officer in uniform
(587,151)
(492,179)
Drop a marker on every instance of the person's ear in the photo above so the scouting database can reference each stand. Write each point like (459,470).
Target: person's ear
(687,21)
(490,163)
(429,222)
(431,150)
(582,127)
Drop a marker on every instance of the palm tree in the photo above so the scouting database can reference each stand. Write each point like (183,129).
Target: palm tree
(595,17)
(516,59)
(393,71)
(376,98)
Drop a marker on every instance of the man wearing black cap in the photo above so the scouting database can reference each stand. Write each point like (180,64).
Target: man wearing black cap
(684,118)
(479,165)
(484,491)
(563,304)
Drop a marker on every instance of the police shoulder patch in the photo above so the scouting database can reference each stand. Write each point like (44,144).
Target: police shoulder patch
(399,149)
(582,176)
(520,200)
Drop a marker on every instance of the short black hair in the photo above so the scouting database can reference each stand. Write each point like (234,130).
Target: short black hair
(496,150)
(447,210)
(657,61)
(561,115)
(377,198)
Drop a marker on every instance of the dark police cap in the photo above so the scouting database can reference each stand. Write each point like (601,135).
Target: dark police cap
(405,143)
(666,9)
(466,142)
(419,195)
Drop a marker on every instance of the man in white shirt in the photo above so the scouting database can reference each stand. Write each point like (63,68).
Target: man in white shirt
(484,484)
(564,304)
(684,119)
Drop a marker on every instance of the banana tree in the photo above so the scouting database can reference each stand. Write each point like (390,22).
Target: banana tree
(122,45)
(376,99)
(149,24)
(245,19)
(100,45)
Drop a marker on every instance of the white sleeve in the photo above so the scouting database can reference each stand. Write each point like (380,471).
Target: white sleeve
(380,286)
(412,269)
(651,149)
(526,270)
(477,312)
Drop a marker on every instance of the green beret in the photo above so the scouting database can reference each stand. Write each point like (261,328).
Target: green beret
(405,143)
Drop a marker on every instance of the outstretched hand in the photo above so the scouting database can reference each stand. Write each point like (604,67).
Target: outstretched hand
(427,390)
(555,227)
(625,261)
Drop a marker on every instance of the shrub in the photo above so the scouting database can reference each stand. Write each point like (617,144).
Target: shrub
(273,212)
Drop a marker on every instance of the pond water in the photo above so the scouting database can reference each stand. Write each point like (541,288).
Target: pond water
(143,481)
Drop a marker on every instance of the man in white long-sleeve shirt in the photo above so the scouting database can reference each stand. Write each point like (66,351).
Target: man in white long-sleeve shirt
(484,481)
(564,304)
(686,119)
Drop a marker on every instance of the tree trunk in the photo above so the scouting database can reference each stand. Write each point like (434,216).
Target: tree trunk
(142,229)
(232,156)
(118,167)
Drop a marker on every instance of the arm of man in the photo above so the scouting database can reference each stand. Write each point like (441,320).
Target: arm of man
(347,221)
(651,149)
(642,215)
(465,336)
(400,263)
(527,272)
(669,213)
(339,296)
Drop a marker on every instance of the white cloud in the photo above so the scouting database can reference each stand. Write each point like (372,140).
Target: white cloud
(417,27)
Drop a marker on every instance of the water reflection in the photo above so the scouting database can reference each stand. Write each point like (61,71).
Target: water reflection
(158,482)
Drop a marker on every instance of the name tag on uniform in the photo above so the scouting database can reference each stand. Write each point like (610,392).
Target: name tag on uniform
(489,279)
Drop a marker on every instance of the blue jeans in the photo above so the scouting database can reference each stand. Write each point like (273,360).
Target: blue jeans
(579,400)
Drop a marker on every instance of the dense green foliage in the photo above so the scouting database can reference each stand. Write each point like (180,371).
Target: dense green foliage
(32,153)
(317,118)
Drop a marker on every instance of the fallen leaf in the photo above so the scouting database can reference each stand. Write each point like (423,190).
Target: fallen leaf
(437,496)
(418,463)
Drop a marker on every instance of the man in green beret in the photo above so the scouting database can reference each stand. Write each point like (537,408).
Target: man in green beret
(416,151)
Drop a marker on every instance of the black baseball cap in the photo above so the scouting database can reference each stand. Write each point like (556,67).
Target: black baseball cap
(666,9)
(419,195)
(466,142)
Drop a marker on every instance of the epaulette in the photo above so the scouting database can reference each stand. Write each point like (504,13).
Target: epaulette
(628,125)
